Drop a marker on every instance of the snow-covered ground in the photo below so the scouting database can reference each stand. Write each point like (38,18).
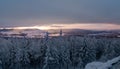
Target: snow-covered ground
(102,65)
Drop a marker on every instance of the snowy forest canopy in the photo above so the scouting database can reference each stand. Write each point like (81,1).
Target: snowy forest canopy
(56,53)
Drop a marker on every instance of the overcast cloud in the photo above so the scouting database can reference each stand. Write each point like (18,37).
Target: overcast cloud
(39,12)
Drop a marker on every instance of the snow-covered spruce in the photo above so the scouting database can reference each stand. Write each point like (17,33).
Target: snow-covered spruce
(56,53)
(102,65)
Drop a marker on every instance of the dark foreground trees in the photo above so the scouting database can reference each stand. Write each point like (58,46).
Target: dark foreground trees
(55,53)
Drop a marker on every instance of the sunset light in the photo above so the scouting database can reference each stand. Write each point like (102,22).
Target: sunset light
(34,27)
(88,26)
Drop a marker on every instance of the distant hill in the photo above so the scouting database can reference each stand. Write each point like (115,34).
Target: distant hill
(5,30)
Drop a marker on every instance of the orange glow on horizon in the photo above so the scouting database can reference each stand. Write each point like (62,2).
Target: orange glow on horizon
(88,26)
(34,27)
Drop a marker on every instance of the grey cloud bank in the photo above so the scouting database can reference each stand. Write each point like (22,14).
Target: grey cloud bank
(39,12)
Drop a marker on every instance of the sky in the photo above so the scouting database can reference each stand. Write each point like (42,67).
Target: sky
(30,13)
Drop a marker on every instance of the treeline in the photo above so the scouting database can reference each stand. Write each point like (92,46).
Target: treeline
(55,53)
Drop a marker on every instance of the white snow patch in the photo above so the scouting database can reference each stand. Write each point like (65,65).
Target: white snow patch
(101,65)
